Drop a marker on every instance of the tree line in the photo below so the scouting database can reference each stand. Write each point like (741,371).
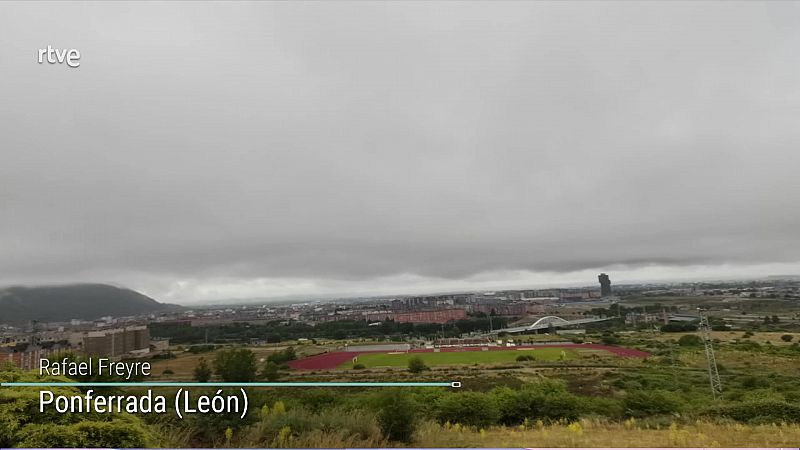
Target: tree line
(277,331)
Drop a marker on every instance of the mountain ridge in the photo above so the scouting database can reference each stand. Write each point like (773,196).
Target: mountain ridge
(86,301)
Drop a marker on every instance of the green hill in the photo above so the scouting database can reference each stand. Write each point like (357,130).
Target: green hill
(75,301)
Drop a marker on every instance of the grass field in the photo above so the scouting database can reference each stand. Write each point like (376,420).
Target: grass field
(455,358)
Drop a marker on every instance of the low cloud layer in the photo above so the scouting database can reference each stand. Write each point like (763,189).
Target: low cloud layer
(206,151)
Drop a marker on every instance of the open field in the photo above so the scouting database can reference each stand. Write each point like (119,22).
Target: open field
(761,337)
(466,355)
(455,358)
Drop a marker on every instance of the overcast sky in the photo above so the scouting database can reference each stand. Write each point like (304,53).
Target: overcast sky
(231,150)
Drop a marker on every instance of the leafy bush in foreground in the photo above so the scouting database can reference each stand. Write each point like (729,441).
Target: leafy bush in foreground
(645,403)
(535,404)
(763,411)
(468,408)
(397,417)
(22,425)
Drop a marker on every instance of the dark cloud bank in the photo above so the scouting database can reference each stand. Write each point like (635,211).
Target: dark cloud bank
(210,150)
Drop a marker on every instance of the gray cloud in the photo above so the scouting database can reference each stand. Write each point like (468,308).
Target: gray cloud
(348,143)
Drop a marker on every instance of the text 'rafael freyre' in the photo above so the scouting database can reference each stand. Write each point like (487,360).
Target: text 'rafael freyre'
(103,366)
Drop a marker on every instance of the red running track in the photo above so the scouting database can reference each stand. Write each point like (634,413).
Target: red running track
(335,359)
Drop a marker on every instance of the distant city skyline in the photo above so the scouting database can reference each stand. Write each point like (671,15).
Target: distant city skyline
(281,149)
(419,286)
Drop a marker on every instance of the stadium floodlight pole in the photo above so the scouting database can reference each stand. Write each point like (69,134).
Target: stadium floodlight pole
(713,371)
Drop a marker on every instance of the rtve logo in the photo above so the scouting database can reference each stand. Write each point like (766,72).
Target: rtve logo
(69,57)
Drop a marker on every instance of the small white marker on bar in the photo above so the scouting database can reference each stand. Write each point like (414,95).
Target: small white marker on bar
(455,384)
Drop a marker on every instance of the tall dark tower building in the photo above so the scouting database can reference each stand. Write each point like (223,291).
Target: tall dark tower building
(605,285)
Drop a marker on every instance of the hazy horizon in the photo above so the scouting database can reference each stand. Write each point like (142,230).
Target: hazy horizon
(454,290)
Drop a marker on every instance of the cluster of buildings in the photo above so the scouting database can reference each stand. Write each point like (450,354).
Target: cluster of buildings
(787,287)
(25,349)
(433,309)
(448,307)
(129,337)
(424,316)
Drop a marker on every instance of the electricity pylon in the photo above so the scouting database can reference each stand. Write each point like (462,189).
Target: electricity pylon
(672,364)
(713,372)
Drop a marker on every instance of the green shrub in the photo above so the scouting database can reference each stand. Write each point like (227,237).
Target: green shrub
(84,434)
(397,417)
(645,403)
(45,435)
(536,403)
(602,406)
(416,365)
(283,356)
(271,371)
(557,406)
(202,372)
(690,340)
(299,421)
(112,434)
(22,425)
(753,382)
(760,411)
(748,346)
(609,339)
(236,365)
(758,395)
(468,408)
(317,400)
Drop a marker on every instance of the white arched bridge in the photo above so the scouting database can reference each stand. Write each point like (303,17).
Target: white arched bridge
(551,322)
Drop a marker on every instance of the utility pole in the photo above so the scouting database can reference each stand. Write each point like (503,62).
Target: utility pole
(713,372)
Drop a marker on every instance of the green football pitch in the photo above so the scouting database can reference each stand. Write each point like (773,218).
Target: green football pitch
(460,357)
